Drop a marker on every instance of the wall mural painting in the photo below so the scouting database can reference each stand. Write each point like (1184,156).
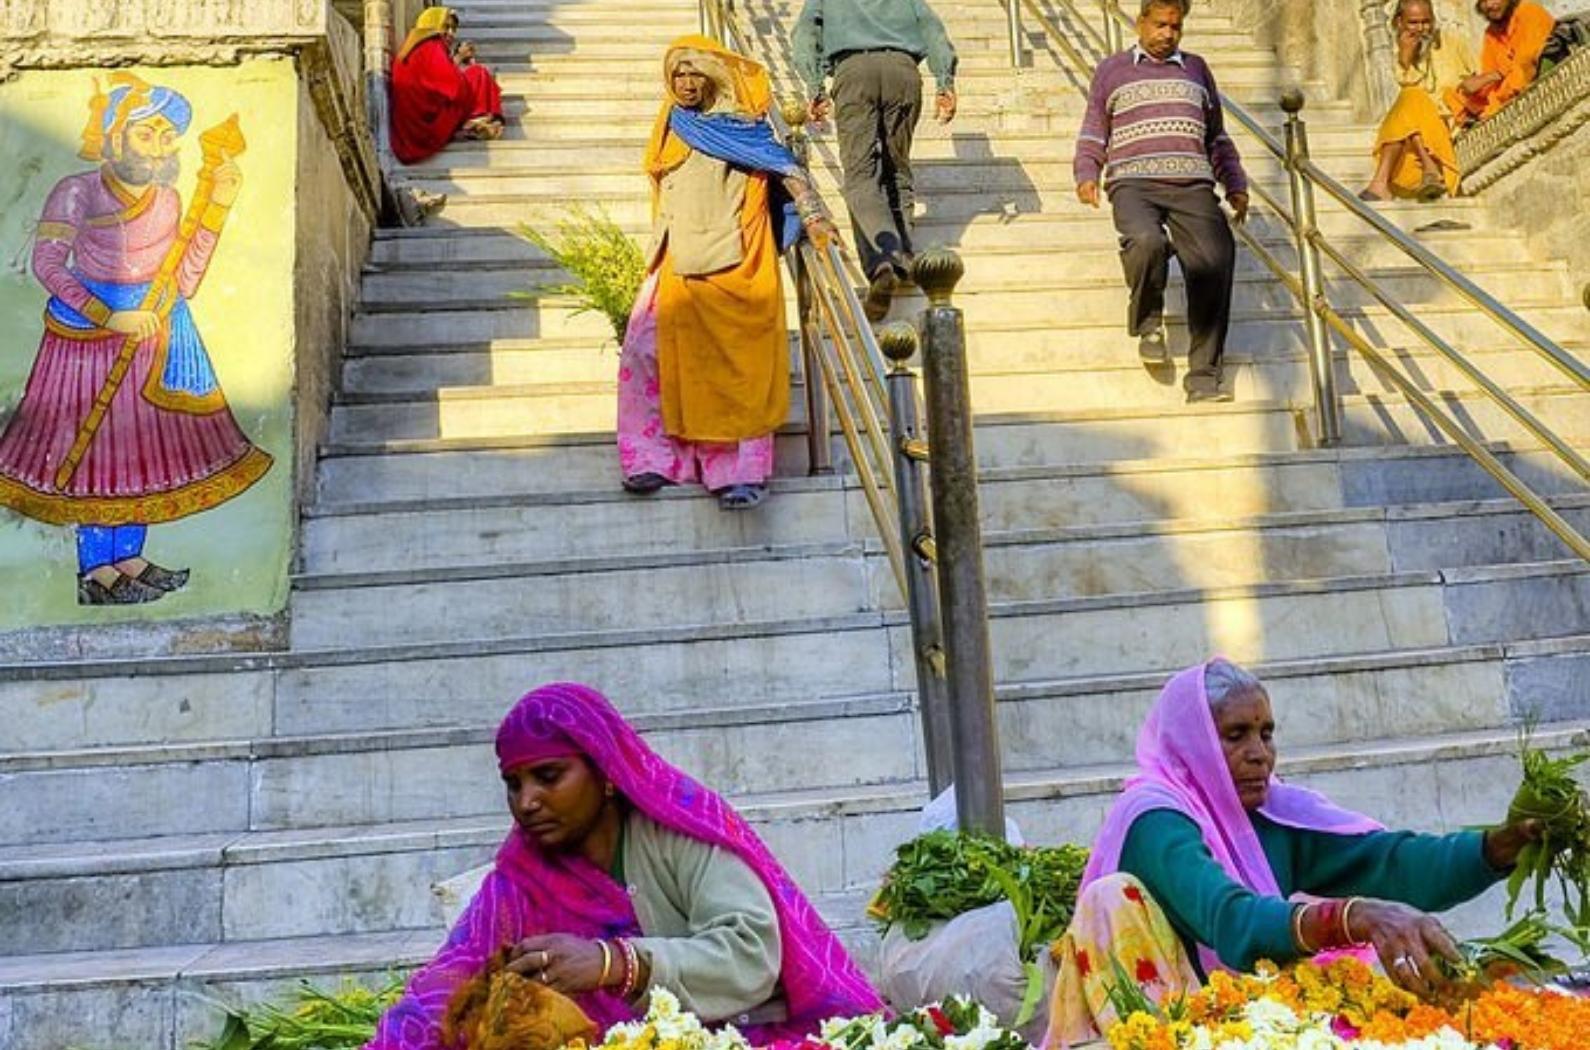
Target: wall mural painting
(122,424)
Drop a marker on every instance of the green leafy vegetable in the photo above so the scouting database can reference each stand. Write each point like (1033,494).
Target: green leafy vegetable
(943,874)
(1551,795)
(314,1020)
(605,266)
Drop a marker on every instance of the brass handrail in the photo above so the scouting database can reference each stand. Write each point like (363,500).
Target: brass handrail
(1312,238)
(848,355)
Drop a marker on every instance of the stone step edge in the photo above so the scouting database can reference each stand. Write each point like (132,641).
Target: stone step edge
(978,288)
(870,546)
(254,848)
(870,620)
(1269,238)
(838,480)
(29,862)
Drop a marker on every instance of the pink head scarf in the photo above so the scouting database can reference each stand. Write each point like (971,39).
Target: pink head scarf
(1182,766)
(531,891)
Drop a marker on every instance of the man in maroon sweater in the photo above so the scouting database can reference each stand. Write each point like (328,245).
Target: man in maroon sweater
(1155,133)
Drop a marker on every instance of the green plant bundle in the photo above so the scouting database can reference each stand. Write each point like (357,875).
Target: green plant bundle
(1519,950)
(605,267)
(943,874)
(314,1020)
(1550,794)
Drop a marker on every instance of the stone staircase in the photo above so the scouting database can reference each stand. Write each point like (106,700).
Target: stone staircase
(173,827)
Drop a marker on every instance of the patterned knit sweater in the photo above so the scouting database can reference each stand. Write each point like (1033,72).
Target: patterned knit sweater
(1148,119)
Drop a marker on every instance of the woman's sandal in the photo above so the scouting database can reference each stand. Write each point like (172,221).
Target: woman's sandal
(1371,196)
(1433,188)
(645,484)
(741,497)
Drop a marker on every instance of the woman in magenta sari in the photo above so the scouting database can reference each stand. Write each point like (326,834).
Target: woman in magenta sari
(622,874)
(1205,860)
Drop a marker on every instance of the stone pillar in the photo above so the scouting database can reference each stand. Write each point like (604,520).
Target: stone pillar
(378,35)
(1380,53)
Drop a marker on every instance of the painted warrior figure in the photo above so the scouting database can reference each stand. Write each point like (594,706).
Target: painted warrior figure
(122,424)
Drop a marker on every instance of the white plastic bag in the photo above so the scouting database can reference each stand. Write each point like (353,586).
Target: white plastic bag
(974,954)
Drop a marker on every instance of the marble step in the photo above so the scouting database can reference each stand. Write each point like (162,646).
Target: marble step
(263,886)
(1107,635)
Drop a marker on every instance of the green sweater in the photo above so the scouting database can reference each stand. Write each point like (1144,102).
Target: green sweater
(829,27)
(1166,852)
(709,927)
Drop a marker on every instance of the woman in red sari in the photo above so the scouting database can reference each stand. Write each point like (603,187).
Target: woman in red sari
(438,95)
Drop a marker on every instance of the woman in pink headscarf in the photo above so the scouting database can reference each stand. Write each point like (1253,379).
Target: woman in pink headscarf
(1199,860)
(622,874)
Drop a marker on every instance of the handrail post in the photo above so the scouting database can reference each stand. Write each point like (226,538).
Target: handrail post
(899,343)
(1013,18)
(963,593)
(819,422)
(1322,371)
(1112,27)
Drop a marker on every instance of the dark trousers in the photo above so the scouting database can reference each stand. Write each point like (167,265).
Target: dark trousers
(1201,238)
(877,101)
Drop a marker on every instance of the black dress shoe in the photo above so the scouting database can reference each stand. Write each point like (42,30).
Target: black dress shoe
(125,591)
(880,294)
(167,580)
(645,484)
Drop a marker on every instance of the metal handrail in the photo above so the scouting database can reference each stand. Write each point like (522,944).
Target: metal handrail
(1300,220)
(847,353)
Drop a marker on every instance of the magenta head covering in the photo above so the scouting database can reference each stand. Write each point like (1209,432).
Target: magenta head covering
(533,891)
(1182,766)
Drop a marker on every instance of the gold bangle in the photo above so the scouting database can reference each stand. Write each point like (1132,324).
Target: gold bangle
(1347,930)
(607,964)
(1297,931)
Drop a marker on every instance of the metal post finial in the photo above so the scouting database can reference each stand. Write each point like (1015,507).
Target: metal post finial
(937,271)
(793,110)
(898,341)
(1292,101)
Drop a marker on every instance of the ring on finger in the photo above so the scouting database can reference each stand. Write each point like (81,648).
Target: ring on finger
(1402,962)
(545,960)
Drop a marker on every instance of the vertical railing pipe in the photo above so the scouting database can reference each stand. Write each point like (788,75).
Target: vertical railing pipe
(899,344)
(819,422)
(1321,369)
(378,40)
(1114,39)
(963,592)
(1013,29)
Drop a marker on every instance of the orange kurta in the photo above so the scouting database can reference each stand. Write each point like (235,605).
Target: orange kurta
(722,345)
(1513,50)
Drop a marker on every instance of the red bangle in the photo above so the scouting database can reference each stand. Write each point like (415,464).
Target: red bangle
(1330,924)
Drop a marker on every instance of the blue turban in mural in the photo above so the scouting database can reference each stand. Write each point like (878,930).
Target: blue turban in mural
(130,101)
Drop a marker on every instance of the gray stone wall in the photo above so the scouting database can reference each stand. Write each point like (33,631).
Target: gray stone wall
(1533,199)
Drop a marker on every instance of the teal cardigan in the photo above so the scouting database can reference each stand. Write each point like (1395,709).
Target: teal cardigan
(1166,852)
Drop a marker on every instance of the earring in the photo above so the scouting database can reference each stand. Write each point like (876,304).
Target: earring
(608,790)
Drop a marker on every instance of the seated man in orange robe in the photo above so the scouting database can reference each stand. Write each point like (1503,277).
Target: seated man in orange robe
(1510,59)
(439,95)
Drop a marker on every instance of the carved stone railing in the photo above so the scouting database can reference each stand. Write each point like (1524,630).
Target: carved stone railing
(1550,110)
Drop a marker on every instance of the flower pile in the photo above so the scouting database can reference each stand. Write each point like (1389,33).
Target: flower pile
(1344,1005)
(667,1026)
(955,1024)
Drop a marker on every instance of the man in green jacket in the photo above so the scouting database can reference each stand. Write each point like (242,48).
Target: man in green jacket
(872,49)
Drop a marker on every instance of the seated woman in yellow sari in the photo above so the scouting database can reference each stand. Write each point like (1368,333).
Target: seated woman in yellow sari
(1414,155)
(1199,860)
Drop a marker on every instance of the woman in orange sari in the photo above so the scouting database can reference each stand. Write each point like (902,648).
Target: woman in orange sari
(1414,155)
(704,376)
(439,92)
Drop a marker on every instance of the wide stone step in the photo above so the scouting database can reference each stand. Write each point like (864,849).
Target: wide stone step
(259,886)
(1109,635)
(954,211)
(718,587)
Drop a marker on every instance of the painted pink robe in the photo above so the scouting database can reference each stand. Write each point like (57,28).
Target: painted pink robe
(168,446)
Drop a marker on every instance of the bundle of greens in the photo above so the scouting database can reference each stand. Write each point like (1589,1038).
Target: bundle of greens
(605,266)
(943,874)
(315,1020)
(1518,951)
(1550,794)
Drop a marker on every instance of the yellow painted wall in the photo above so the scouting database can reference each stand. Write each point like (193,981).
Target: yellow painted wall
(239,551)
